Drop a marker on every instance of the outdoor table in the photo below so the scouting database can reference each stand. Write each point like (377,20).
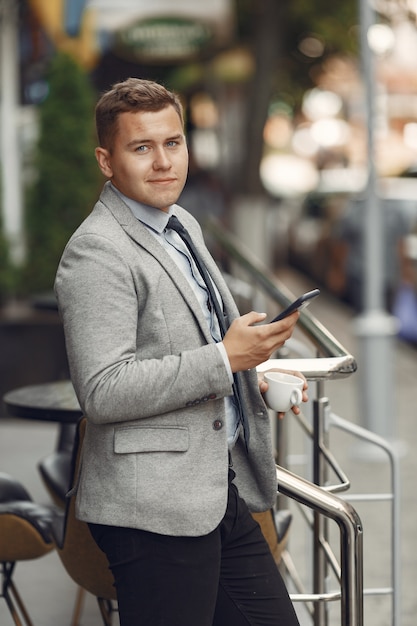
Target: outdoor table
(50,402)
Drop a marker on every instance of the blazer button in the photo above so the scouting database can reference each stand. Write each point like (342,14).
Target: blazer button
(217,424)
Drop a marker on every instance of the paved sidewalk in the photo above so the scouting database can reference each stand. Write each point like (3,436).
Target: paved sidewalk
(49,593)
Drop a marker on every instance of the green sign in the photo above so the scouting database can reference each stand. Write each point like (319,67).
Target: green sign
(164,40)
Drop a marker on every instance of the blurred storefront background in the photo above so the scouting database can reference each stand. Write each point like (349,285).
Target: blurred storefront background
(274,96)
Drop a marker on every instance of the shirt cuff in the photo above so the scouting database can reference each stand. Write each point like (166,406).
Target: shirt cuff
(225,358)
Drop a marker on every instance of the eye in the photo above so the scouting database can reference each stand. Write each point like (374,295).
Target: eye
(172,143)
(142,148)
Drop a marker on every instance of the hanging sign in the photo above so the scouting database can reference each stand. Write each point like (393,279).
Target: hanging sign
(165,40)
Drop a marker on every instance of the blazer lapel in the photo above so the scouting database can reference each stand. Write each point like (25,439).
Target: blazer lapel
(140,234)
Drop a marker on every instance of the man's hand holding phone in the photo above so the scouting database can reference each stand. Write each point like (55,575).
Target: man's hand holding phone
(248,342)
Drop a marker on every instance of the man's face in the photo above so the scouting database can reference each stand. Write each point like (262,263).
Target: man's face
(149,159)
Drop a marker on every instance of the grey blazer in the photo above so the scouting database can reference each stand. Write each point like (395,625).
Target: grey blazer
(152,383)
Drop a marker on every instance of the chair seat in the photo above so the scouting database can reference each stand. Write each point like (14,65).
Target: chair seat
(24,514)
(25,534)
(25,526)
(11,489)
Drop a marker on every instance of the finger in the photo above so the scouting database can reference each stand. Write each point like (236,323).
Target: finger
(253,317)
(263,385)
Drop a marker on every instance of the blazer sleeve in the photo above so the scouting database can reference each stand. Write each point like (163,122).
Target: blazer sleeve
(134,345)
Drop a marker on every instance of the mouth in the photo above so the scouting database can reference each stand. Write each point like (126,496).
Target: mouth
(163,181)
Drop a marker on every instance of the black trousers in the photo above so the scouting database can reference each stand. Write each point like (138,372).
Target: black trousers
(225,578)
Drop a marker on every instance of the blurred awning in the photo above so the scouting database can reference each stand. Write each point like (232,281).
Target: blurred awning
(160,31)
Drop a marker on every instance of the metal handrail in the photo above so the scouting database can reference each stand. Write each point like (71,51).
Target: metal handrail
(351,567)
(333,361)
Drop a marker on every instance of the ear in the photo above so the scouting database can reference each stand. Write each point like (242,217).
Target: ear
(104,161)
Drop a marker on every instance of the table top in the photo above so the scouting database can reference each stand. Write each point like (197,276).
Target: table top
(51,402)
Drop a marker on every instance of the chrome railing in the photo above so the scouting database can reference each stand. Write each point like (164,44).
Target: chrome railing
(332,362)
(351,566)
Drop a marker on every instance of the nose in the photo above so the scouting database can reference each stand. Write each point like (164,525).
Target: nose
(161,161)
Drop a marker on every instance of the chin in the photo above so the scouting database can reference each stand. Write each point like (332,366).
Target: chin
(163,203)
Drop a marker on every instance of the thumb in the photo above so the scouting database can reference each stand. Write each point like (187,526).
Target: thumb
(253,318)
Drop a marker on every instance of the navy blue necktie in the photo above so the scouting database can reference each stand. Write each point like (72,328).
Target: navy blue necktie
(176,225)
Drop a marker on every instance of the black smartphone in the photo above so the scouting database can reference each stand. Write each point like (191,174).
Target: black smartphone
(297,305)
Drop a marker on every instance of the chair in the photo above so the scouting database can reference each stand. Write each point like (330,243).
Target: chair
(24,535)
(85,563)
(55,471)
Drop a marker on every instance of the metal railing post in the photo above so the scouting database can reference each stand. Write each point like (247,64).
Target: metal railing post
(320,531)
(351,538)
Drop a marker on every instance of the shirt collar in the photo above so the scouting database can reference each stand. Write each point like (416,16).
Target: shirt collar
(148,215)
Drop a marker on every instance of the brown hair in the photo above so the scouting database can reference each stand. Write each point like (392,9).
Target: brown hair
(131,95)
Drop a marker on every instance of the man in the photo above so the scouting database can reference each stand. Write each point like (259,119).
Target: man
(164,389)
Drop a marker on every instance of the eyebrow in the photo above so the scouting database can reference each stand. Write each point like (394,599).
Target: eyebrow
(136,142)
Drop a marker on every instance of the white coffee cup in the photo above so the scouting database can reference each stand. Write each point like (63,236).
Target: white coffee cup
(284,391)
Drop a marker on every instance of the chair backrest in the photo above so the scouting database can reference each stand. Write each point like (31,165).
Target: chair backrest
(83,560)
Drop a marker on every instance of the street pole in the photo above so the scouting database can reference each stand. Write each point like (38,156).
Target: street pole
(11,192)
(375,328)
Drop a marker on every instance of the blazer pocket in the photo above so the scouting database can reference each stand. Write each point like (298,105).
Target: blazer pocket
(146,439)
